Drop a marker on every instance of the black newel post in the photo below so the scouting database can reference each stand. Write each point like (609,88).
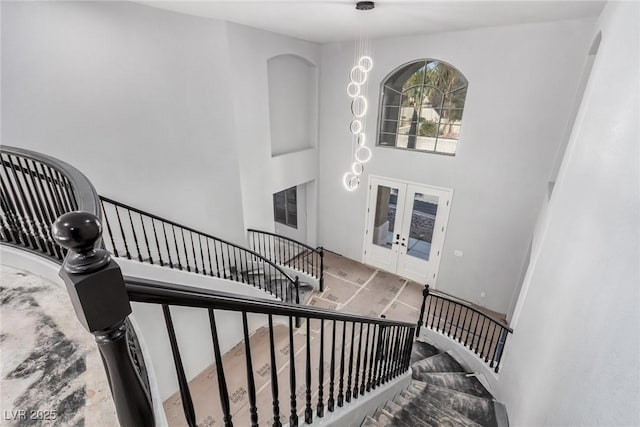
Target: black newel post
(99,298)
(425,294)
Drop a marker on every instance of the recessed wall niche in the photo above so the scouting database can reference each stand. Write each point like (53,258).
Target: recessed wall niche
(292,103)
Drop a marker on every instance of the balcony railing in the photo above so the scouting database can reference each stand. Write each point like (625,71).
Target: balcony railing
(459,320)
(36,189)
(138,235)
(288,252)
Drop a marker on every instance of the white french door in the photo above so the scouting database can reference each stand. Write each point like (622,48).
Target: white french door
(405,228)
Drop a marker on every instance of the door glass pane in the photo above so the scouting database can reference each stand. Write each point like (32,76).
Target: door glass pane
(386,202)
(423,218)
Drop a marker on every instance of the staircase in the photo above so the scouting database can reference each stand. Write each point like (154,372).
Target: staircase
(441,393)
(38,190)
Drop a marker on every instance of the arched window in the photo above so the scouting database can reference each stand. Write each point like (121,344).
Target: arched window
(421,107)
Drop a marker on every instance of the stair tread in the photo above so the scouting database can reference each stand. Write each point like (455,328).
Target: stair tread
(422,350)
(437,413)
(426,387)
(369,422)
(477,409)
(442,362)
(440,394)
(404,416)
(383,417)
(392,407)
(457,381)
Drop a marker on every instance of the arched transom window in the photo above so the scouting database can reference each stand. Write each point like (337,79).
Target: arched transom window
(421,107)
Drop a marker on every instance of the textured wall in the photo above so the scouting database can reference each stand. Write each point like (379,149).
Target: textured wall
(573,359)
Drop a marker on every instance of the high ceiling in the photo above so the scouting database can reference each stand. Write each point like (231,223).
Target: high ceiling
(332,20)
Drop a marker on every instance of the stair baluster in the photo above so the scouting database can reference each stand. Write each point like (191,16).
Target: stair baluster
(251,385)
(308,412)
(372,357)
(356,387)
(364,361)
(222,382)
(331,401)
(293,417)
(347,392)
(341,382)
(320,406)
(274,376)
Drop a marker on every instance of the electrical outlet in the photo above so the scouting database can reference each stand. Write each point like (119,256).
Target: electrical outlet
(483,294)
(458,253)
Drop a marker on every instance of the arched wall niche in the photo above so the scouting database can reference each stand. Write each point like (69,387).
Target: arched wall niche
(293,103)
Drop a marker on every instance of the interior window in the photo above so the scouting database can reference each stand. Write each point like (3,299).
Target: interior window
(285,207)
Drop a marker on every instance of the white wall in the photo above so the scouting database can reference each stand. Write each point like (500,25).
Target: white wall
(135,97)
(574,359)
(522,81)
(261,175)
(543,209)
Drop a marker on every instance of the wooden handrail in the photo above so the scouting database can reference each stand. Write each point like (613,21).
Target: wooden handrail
(469,307)
(158,292)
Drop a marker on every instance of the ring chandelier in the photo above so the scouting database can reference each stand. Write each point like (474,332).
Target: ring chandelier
(357,91)
(359,105)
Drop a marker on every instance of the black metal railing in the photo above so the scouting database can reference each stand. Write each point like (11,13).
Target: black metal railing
(362,352)
(370,351)
(35,190)
(289,252)
(478,331)
(138,235)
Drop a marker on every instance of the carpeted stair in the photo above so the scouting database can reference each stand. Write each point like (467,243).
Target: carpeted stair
(441,393)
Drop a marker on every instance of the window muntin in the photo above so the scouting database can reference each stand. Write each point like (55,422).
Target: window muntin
(285,207)
(421,108)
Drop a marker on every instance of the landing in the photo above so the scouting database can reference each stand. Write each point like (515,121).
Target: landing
(357,288)
(49,362)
